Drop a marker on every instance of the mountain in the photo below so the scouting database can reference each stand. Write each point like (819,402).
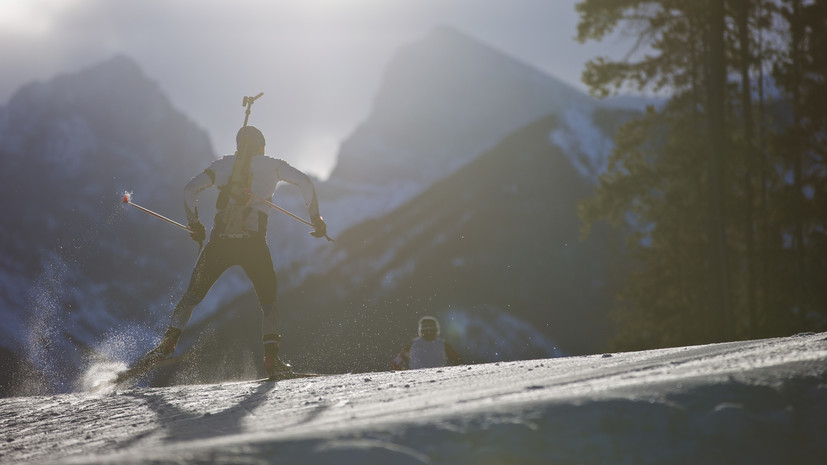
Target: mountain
(443,100)
(76,265)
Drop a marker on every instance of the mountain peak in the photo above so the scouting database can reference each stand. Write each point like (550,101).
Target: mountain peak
(447,53)
(445,99)
(118,65)
(113,99)
(112,72)
(444,32)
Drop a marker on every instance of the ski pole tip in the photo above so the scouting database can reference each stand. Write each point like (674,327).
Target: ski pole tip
(126,197)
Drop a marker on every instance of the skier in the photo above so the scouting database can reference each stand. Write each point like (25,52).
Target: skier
(426,351)
(238,238)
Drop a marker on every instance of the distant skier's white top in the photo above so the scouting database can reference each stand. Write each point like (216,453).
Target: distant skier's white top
(266,172)
(428,354)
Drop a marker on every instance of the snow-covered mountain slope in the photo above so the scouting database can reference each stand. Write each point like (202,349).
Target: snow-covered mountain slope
(75,263)
(752,403)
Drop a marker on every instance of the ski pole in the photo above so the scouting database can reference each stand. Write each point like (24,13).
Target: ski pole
(127,198)
(286,212)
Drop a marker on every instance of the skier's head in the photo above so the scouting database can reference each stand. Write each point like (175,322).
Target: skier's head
(249,139)
(428,328)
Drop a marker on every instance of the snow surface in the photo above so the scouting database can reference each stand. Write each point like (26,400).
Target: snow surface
(750,402)
(587,147)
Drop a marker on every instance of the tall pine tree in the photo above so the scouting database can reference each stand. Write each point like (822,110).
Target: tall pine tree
(706,199)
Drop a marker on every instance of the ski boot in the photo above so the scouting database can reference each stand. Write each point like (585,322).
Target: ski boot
(162,351)
(276,369)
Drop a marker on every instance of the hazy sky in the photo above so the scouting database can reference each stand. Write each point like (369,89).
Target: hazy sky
(318,62)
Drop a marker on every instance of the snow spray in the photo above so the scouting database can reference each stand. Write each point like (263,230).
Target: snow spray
(50,302)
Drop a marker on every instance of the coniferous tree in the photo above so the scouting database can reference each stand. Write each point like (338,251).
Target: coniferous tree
(720,205)
(720,328)
(801,72)
(746,61)
(658,182)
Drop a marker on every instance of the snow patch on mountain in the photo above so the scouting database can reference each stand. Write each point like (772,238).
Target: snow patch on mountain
(390,278)
(492,334)
(587,146)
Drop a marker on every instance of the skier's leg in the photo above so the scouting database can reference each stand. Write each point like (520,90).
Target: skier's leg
(258,265)
(265,285)
(212,262)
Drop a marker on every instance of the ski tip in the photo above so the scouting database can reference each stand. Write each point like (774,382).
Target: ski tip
(290,375)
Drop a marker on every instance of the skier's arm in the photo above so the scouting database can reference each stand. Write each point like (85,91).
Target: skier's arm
(452,355)
(293,176)
(403,360)
(191,190)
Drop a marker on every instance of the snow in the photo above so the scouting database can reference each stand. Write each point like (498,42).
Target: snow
(750,402)
(493,334)
(587,146)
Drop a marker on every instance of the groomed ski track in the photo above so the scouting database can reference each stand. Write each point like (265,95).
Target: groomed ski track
(749,402)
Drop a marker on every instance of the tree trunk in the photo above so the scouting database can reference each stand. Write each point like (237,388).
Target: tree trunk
(766,294)
(749,159)
(796,27)
(721,320)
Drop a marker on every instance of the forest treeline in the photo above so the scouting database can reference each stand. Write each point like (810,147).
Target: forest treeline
(721,191)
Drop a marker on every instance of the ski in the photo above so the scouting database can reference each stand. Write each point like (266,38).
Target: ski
(291,375)
(132,374)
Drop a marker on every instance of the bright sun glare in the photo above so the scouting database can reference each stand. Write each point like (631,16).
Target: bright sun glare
(31,17)
(317,155)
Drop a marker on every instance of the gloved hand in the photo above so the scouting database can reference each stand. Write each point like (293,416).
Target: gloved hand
(199,232)
(321,227)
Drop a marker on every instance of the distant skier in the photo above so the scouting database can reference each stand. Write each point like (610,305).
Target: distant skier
(426,351)
(238,237)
